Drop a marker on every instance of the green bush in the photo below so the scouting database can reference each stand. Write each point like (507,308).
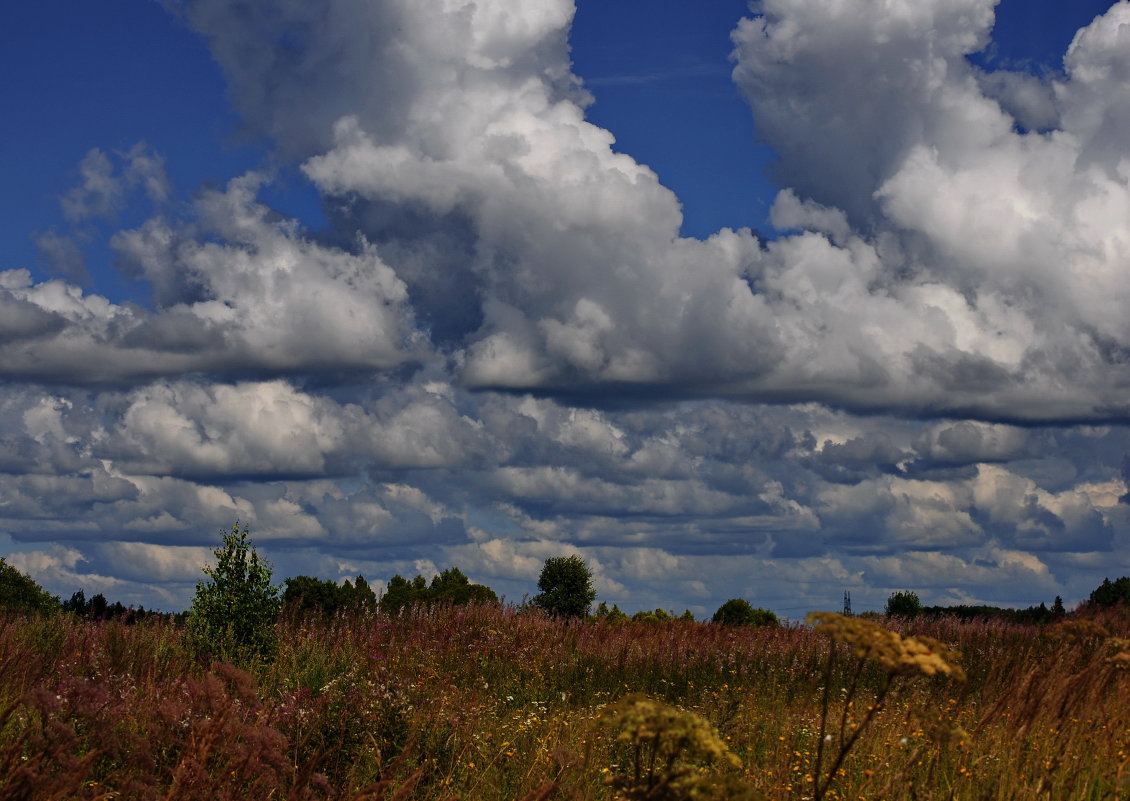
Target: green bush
(233,613)
(739,612)
(903,604)
(19,591)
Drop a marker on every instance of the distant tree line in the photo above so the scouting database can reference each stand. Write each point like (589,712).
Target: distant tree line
(304,594)
(447,587)
(906,604)
(234,608)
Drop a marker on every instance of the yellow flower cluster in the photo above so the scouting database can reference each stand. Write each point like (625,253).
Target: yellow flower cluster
(674,733)
(897,655)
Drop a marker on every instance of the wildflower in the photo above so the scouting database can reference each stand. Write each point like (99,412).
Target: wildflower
(897,655)
(671,746)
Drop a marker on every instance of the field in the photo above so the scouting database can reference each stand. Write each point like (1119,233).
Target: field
(493,702)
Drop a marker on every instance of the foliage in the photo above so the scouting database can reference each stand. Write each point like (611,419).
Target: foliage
(449,586)
(658,616)
(19,591)
(1111,593)
(613,615)
(309,594)
(1038,615)
(233,613)
(566,587)
(739,612)
(903,604)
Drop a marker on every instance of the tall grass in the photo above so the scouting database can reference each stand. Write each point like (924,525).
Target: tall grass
(499,703)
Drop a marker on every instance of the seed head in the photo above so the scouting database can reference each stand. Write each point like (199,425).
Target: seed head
(897,655)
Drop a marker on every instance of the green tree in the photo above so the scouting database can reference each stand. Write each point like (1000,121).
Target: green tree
(1111,593)
(308,594)
(19,591)
(449,586)
(233,613)
(454,587)
(903,604)
(613,615)
(739,612)
(358,596)
(400,593)
(566,587)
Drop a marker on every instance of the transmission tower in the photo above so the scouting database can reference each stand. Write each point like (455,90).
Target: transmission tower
(847,603)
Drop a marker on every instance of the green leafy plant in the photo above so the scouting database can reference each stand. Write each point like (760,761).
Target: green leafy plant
(903,604)
(19,591)
(739,612)
(233,613)
(566,587)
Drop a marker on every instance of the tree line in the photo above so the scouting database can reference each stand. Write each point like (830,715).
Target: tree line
(234,607)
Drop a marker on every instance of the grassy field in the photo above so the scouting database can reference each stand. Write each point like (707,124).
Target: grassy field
(498,703)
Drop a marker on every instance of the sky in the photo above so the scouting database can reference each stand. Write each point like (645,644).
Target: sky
(775,301)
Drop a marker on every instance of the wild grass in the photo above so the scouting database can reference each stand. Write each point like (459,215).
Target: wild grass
(498,703)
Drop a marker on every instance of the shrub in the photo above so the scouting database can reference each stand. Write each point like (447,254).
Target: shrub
(739,612)
(19,591)
(566,587)
(233,614)
(903,604)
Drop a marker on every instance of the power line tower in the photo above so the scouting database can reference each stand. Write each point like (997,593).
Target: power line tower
(847,603)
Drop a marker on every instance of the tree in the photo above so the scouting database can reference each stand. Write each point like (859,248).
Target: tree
(739,612)
(1111,593)
(613,615)
(400,593)
(453,587)
(450,586)
(19,591)
(233,613)
(903,604)
(359,597)
(309,594)
(566,587)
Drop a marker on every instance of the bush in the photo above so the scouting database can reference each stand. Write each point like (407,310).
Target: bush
(566,587)
(903,604)
(739,612)
(19,591)
(233,614)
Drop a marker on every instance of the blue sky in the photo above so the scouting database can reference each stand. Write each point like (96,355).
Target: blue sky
(659,71)
(841,307)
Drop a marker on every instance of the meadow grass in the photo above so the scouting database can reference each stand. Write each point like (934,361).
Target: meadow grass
(489,702)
